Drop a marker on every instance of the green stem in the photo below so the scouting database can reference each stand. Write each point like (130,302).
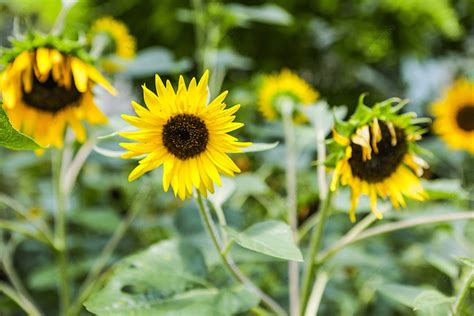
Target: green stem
(321,278)
(466,286)
(391,227)
(39,225)
(199,33)
(315,245)
(222,222)
(15,227)
(92,279)
(60,231)
(293,266)
(14,296)
(10,271)
(316,294)
(229,263)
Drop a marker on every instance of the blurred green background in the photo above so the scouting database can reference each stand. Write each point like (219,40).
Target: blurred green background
(407,48)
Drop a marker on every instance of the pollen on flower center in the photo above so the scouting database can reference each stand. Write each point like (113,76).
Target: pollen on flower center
(385,162)
(51,97)
(465,118)
(185,136)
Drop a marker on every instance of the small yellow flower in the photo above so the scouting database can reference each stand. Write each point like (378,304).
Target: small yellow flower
(286,84)
(124,44)
(454,116)
(375,157)
(189,137)
(45,90)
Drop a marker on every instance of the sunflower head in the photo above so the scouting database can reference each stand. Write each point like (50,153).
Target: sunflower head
(375,153)
(454,116)
(286,86)
(47,85)
(179,130)
(122,44)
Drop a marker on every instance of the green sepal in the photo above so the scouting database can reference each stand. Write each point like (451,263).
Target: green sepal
(34,40)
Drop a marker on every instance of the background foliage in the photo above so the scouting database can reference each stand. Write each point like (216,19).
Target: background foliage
(387,48)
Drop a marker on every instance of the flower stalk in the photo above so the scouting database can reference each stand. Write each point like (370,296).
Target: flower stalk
(287,108)
(315,245)
(465,288)
(227,260)
(60,230)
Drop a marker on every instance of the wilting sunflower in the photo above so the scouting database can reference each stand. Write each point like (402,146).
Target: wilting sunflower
(455,116)
(47,86)
(375,154)
(188,137)
(285,85)
(123,44)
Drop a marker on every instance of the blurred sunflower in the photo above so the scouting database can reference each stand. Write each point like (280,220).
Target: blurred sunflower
(285,85)
(375,154)
(47,86)
(180,131)
(454,116)
(124,44)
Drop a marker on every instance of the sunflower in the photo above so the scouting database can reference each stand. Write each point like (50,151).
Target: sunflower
(189,138)
(375,154)
(123,43)
(46,89)
(455,116)
(285,85)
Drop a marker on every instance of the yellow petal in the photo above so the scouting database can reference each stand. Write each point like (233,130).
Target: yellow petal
(79,71)
(96,76)
(43,60)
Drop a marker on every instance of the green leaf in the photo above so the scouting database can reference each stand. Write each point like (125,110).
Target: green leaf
(273,238)
(169,278)
(429,299)
(229,59)
(256,147)
(322,116)
(11,138)
(110,153)
(98,220)
(467,261)
(154,60)
(443,263)
(403,294)
(267,13)
(444,189)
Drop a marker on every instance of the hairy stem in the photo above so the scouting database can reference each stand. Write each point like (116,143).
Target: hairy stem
(315,245)
(60,231)
(316,294)
(229,263)
(322,278)
(291,201)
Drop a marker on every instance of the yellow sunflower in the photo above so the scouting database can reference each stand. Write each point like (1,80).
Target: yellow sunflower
(454,116)
(45,90)
(285,85)
(188,137)
(374,154)
(124,44)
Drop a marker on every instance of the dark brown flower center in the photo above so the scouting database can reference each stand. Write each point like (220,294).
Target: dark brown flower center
(465,118)
(51,97)
(383,163)
(185,136)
